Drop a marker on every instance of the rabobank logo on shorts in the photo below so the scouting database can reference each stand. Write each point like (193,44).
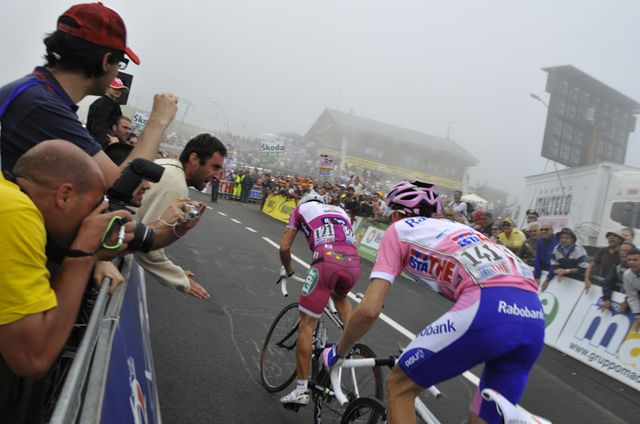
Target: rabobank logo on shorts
(519,311)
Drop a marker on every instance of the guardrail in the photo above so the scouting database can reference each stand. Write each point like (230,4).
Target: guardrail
(111,379)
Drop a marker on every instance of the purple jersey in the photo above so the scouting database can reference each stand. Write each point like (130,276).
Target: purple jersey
(322,224)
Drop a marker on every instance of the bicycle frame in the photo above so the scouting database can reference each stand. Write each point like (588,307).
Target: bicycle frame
(336,376)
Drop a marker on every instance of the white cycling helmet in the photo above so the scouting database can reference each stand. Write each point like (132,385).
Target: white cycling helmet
(311,196)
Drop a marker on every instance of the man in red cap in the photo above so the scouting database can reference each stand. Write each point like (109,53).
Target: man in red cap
(104,112)
(83,56)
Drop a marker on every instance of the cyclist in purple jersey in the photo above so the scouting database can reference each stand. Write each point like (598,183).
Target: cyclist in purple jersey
(335,268)
(497,318)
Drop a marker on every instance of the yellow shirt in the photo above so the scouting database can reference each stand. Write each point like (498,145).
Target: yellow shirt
(514,241)
(24,278)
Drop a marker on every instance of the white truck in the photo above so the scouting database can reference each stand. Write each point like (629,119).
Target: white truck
(590,200)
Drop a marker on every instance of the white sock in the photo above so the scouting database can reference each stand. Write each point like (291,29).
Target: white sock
(302,386)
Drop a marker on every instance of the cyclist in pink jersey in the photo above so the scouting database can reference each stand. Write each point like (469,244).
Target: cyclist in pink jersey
(497,318)
(335,268)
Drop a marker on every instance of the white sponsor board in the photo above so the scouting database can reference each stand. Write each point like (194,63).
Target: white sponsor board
(272,146)
(372,237)
(558,302)
(604,340)
(140,121)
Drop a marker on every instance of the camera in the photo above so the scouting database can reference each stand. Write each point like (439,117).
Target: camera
(120,195)
(193,212)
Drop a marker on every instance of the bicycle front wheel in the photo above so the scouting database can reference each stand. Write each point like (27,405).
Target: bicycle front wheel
(278,356)
(365,410)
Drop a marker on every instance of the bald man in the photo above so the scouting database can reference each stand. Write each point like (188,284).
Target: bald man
(58,193)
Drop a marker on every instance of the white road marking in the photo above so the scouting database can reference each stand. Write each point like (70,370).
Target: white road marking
(236,221)
(251,229)
(222,213)
(209,207)
(393,324)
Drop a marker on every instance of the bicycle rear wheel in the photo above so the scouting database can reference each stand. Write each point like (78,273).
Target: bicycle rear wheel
(278,355)
(365,410)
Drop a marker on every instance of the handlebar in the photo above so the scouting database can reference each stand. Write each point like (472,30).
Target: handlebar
(336,375)
(282,280)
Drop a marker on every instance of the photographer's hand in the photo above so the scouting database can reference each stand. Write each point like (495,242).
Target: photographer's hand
(185,225)
(175,212)
(106,269)
(89,237)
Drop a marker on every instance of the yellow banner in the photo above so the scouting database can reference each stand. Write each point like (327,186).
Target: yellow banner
(279,207)
(401,172)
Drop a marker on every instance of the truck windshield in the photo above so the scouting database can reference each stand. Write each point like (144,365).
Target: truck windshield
(626,213)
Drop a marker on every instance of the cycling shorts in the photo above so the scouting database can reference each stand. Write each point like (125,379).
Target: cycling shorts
(335,269)
(502,327)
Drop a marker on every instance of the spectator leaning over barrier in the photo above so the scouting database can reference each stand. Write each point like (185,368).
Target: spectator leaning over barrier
(104,111)
(545,244)
(57,197)
(631,278)
(613,281)
(83,57)
(604,259)
(201,159)
(527,251)
(569,259)
(511,237)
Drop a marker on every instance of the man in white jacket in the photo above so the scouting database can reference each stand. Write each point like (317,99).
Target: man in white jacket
(631,279)
(201,159)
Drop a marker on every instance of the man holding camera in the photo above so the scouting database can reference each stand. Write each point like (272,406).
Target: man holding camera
(201,159)
(57,198)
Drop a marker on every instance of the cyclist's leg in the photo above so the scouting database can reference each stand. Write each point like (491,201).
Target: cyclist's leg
(348,272)
(401,395)
(343,306)
(303,345)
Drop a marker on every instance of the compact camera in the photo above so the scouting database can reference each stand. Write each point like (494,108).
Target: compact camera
(193,212)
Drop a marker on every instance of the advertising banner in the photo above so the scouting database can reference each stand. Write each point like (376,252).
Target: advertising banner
(558,302)
(368,238)
(279,207)
(325,165)
(604,340)
(140,121)
(272,146)
(130,391)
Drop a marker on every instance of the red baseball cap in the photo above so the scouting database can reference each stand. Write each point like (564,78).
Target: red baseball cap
(99,25)
(118,84)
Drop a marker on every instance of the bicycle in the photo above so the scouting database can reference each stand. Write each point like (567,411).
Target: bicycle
(372,410)
(278,364)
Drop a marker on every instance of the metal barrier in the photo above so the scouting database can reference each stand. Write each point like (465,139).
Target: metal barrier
(116,339)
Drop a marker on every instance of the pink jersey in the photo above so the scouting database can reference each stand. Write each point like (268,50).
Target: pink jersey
(322,224)
(449,257)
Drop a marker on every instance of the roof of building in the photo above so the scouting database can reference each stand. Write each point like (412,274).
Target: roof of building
(361,124)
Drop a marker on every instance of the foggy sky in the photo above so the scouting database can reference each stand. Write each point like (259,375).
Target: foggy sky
(275,65)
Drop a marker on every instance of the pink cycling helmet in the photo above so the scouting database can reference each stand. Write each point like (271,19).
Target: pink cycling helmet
(414,198)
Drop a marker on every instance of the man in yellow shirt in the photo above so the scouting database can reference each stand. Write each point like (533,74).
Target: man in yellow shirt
(58,196)
(511,237)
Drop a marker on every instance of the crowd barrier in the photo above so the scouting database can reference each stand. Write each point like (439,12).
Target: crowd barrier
(226,189)
(112,378)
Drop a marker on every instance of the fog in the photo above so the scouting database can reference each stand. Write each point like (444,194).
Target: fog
(274,66)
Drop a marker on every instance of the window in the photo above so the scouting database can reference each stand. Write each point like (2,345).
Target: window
(626,213)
